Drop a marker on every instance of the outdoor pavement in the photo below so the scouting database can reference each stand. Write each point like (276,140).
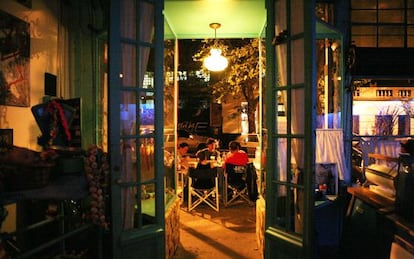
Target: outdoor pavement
(229,233)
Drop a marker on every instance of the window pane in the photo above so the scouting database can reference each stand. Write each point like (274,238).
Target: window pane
(284,204)
(147,207)
(145,68)
(146,110)
(391,30)
(146,15)
(282,160)
(321,80)
(281,17)
(298,64)
(365,41)
(297,159)
(387,4)
(131,114)
(410,16)
(336,81)
(390,41)
(328,87)
(297,24)
(391,36)
(364,30)
(129,205)
(128,65)
(281,112)
(128,13)
(281,65)
(128,113)
(391,16)
(138,207)
(298,111)
(410,39)
(299,213)
(169,86)
(147,166)
(366,4)
(364,36)
(363,16)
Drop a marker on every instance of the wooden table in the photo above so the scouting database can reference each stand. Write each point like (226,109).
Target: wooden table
(373,221)
(366,195)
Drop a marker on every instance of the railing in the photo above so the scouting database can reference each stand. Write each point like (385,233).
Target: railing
(382,93)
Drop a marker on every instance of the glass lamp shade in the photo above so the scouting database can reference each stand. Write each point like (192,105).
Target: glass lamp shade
(215,62)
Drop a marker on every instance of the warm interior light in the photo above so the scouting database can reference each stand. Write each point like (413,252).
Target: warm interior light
(215,62)
(334,45)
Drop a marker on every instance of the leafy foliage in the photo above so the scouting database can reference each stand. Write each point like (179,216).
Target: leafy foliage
(386,121)
(241,77)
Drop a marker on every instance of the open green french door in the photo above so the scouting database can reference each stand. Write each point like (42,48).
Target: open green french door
(136,128)
(289,101)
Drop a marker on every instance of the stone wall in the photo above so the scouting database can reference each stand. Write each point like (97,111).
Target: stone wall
(260,224)
(172,228)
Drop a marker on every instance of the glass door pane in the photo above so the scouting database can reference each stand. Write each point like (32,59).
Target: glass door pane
(136,126)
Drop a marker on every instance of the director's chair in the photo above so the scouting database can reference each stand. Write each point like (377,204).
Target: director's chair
(203,188)
(235,183)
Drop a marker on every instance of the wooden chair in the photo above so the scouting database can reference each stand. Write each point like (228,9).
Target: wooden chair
(203,188)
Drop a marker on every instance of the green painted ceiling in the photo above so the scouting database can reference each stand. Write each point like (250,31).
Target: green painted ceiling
(190,19)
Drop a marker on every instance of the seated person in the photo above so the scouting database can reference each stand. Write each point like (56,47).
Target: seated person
(182,156)
(207,154)
(235,157)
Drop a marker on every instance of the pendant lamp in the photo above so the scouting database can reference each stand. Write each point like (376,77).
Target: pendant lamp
(215,62)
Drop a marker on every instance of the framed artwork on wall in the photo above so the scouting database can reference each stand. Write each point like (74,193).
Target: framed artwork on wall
(14,61)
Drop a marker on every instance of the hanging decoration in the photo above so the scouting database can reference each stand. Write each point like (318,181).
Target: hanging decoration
(97,175)
(54,119)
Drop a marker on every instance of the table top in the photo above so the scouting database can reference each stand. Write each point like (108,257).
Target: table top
(370,197)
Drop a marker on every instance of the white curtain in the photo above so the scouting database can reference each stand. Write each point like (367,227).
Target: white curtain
(330,149)
(295,104)
(282,143)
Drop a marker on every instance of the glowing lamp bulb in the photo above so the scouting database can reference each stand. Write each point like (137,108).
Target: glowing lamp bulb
(215,62)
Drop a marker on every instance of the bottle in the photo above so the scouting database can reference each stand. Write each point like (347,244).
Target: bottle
(323,188)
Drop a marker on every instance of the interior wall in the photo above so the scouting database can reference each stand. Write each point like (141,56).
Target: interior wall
(43,58)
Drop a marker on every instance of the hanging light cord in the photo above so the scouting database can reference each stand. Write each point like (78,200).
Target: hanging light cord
(215,26)
(215,62)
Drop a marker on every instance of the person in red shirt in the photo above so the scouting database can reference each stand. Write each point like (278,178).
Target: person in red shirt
(236,156)
(235,165)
